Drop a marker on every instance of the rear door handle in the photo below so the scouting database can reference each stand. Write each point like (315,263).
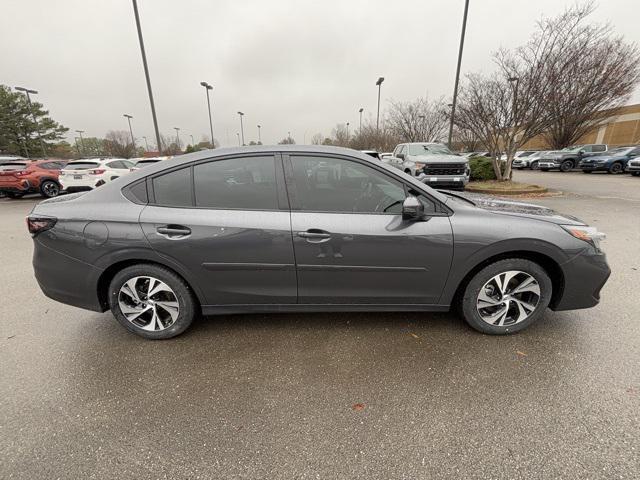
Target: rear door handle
(315,234)
(174,231)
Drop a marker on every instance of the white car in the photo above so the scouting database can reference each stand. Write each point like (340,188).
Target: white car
(145,162)
(89,173)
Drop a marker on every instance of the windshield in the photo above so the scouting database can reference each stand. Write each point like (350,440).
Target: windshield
(526,154)
(80,165)
(429,149)
(572,149)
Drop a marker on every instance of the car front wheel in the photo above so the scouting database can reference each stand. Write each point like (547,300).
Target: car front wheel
(616,168)
(506,296)
(566,166)
(151,301)
(534,166)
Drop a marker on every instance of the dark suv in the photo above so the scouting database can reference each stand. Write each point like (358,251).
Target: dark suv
(291,228)
(569,158)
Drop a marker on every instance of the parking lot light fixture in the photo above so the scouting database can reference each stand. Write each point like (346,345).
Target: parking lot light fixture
(177,129)
(457,81)
(259,137)
(28,92)
(360,112)
(379,84)
(80,132)
(129,117)
(207,88)
(238,134)
(241,114)
(146,74)
(347,131)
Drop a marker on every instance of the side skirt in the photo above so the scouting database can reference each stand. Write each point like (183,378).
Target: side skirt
(321,307)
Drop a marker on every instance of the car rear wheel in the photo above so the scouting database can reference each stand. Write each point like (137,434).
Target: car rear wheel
(49,189)
(506,296)
(151,301)
(566,165)
(616,168)
(534,165)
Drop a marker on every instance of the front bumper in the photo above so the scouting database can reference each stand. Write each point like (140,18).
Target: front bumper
(550,164)
(520,164)
(633,168)
(444,181)
(584,276)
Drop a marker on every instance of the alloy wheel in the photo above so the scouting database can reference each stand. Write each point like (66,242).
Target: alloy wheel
(51,189)
(508,298)
(148,303)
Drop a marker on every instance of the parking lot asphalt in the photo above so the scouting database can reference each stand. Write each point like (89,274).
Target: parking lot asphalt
(328,396)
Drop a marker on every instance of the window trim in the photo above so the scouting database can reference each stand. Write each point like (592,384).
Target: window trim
(440,209)
(281,193)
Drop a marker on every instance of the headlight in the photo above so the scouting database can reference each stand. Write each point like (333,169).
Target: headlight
(588,234)
(419,166)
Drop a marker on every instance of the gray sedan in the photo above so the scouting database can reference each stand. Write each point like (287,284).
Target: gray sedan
(291,228)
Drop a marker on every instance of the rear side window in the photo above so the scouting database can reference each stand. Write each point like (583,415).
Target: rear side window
(173,189)
(245,183)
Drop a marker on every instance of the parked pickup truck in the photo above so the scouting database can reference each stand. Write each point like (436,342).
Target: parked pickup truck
(432,163)
(568,158)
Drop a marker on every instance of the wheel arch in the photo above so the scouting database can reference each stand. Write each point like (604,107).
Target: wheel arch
(107,275)
(550,265)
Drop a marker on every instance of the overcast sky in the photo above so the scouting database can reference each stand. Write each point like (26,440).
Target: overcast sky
(290,65)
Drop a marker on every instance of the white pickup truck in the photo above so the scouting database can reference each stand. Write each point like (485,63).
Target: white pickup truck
(432,163)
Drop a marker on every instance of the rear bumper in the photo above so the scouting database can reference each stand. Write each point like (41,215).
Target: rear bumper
(66,279)
(20,186)
(585,275)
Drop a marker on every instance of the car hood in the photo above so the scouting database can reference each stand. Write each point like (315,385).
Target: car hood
(520,209)
(442,158)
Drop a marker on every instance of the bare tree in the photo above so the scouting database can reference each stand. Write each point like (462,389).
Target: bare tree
(288,140)
(317,139)
(590,72)
(420,120)
(465,140)
(370,137)
(118,144)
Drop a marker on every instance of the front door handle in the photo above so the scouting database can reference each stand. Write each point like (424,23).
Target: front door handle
(174,231)
(314,234)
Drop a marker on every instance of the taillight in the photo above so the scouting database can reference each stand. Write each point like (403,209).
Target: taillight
(37,225)
(20,173)
(98,171)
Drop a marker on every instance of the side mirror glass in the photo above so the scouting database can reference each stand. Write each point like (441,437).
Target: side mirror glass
(412,209)
(401,155)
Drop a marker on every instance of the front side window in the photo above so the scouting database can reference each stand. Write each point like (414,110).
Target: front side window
(324,184)
(173,189)
(246,183)
(599,148)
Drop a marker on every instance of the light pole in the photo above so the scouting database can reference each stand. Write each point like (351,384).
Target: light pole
(360,112)
(259,138)
(129,117)
(379,84)
(207,88)
(455,87)
(238,134)
(177,129)
(241,126)
(80,132)
(347,131)
(192,141)
(146,74)
(77,147)
(28,91)
(146,144)
(514,113)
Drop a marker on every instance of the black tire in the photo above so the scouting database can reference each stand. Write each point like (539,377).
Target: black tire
(616,168)
(587,171)
(544,169)
(15,195)
(49,189)
(470,296)
(635,174)
(566,166)
(187,303)
(534,165)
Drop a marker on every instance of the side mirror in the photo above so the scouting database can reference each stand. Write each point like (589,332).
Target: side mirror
(412,209)
(401,156)
(581,152)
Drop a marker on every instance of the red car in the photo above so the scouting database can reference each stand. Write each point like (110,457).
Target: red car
(18,177)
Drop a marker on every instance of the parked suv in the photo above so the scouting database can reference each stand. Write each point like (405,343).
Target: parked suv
(433,164)
(633,167)
(88,174)
(303,229)
(568,158)
(613,161)
(527,159)
(20,177)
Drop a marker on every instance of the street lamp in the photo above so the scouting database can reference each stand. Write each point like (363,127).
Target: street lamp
(77,147)
(455,87)
(379,84)
(146,143)
(192,141)
(207,88)
(259,138)
(360,111)
(146,74)
(177,129)
(28,91)
(80,132)
(129,117)
(238,134)
(347,131)
(241,127)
